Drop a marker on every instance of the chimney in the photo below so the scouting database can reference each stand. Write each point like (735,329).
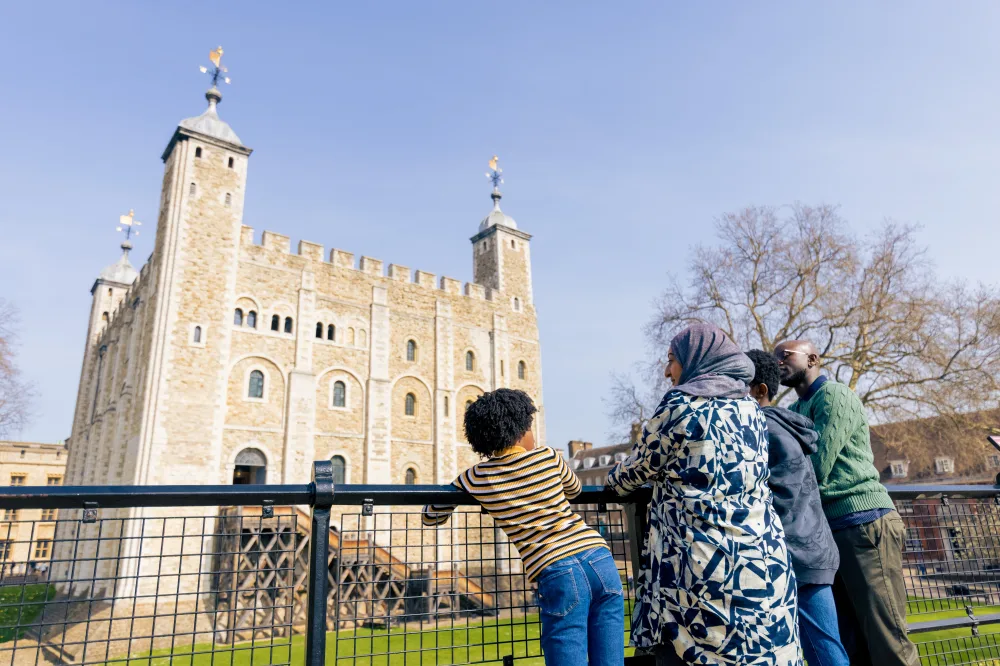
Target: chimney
(635,433)
(576,445)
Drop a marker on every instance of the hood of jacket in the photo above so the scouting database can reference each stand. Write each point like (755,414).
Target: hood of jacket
(795,425)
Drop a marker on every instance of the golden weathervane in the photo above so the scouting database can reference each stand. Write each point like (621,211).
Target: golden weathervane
(217,71)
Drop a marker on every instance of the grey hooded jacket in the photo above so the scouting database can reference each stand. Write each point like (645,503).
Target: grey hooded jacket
(791,440)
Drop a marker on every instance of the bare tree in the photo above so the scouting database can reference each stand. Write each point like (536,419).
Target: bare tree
(15,393)
(908,343)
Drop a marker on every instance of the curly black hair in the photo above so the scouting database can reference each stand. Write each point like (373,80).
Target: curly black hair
(497,420)
(765,371)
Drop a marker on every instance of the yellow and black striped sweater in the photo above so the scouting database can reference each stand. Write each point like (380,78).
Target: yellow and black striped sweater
(526,493)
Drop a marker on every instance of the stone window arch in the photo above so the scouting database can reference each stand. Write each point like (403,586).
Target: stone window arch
(196,338)
(288,324)
(197,152)
(350,336)
(229,199)
(192,190)
(363,338)
(410,478)
(252,319)
(470,361)
(517,304)
(339,465)
(339,394)
(522,369)
(410,404)
(238,317)
(275,322)
(411,350)
(446,405)
(255,386)
(331,332)
(319,330)
(250,467)
(104,317)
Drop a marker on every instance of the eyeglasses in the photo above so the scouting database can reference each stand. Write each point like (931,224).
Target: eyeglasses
(785,353)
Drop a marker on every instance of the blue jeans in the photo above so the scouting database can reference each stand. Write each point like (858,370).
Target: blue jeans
(818,630)
(582,610)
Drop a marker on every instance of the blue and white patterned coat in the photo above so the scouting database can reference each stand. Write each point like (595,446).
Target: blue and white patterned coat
(717,581)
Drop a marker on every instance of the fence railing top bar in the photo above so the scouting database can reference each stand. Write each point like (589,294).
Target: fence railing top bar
(121,497)
(929,490)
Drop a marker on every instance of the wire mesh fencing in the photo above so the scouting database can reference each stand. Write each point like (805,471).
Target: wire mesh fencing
(453,594)
(240,575)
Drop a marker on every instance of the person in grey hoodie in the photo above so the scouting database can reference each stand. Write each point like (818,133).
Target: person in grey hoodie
(791,440)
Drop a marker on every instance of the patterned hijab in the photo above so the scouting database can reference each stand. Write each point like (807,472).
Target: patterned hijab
(713,366)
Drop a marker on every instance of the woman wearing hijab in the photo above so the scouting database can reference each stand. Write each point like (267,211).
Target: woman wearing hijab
(716,585)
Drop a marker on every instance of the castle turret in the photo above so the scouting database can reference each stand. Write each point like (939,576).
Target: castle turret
(195,263)
(501,256)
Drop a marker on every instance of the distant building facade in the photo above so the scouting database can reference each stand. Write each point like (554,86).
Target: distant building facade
(27,535)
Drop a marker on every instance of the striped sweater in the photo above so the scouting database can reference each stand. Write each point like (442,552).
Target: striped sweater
(526,494)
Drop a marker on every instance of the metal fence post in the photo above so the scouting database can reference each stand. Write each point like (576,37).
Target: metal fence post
(319,548)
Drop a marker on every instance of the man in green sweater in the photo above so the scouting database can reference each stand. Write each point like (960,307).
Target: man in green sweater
(869,533)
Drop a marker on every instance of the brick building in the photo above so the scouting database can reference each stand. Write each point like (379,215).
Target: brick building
(26,535)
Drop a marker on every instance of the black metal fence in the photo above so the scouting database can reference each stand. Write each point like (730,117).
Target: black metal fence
(312,574)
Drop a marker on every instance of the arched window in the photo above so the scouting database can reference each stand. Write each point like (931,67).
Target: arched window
(513,244)
(522,370)
(197,152)
(411,350)
(251,467)
(319,330)
(197,334)
(230,162)
(339,470)
(331,332)
(363,338)
(229,198)
(350,336)
(339,394)
(411,404)
(288,324)
(446,405)
(193,189)
(275,322)
(411,476)
(517,304)
(470,361)
(238,317)
(104,317)
(256,387)
(252,319)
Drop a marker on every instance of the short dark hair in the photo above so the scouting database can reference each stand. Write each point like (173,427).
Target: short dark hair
(765,371)
(497,420)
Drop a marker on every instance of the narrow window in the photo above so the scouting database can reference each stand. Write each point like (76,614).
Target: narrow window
(256,388)
(229,198)
(363,341)
(339,470)
(517,304)
(197,333)
(238,317)
(411,350)
(252,319)
(110,292)
(197,152)
(288,324)
(319,330)
(446,405)
(411,476)
(275,322)
(331,332)
(350,336)
(501,368)
(193,189)
(513,245)
(339,394)
(521,370)
(104,317)
(231,162)
(411,404)
(470,361)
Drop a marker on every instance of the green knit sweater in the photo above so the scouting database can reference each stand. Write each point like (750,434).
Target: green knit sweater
(845,467)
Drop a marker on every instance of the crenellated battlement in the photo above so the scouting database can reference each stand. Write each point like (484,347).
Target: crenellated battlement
(314,252)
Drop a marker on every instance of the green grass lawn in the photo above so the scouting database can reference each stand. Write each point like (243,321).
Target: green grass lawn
(21,605)
(478,641)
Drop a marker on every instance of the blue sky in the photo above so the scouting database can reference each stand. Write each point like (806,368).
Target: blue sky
(623,129)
